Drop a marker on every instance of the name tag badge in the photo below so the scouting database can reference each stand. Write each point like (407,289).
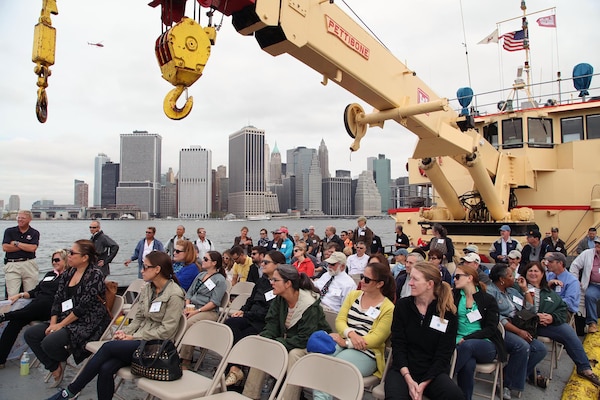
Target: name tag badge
(210,285)
(517,275)
(67,305)
(155,307)
(473,316)
(440,241)
(283,245)
(438,325)
(558,289)
(269,295)
(518,300)
(558,249)
(373,312)
(362,233)
(48,279)
(335,292)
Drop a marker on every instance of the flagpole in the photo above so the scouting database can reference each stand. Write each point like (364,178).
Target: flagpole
(526,15)
(466,51)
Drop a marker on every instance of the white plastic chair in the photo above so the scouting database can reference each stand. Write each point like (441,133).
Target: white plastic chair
(209,335)
(252,352)
(331,375)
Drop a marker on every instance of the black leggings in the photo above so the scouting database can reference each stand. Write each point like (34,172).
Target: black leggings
(440,388)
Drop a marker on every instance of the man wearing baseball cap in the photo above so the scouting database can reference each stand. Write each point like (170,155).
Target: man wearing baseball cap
(474,261)
(555,243)
(589,262)
(335,284)
(534,250)
(500,248)
(473,248)
(400,258)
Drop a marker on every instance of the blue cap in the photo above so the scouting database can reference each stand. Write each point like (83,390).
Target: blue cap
(505,228)
(400,251)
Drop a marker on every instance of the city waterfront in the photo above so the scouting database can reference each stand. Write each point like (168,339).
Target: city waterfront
(127,233)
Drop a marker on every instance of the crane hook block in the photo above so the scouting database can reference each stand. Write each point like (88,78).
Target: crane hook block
(182,53)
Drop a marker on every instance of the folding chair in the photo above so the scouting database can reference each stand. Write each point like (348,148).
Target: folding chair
(209,335)
(553,352)
(496,368)
(330,317)
(132,294)
(331,375)
(241,288)
(250,352)
(233,306)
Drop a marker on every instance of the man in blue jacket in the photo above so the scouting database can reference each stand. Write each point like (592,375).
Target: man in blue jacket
(145,246)
(500,248)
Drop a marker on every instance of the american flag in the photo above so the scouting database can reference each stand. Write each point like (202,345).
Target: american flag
(514,41)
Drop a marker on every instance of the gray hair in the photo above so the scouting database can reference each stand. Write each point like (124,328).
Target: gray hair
(418,256)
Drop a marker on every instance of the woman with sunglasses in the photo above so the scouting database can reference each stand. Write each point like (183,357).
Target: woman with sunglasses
(293,316)
(160,304)
(525,352)
(364,323)
(478,339)
(42,297)
(423,339)
(204,297)
(250,319)
(184,253)
(78,313)
(552,311)
(303,263)
(228,264)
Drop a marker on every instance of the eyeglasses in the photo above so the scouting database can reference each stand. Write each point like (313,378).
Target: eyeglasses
(457,276)
(367,279)
(267,262)
(207,259)
(93,227)
(55,260)
(433,258)
(73,252)
(254,253)
(149,232)
(295,250)
(201,232)
(275,280)
(176,251)
(360,248)
(145,267)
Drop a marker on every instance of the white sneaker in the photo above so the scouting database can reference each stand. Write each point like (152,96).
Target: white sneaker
(506,394)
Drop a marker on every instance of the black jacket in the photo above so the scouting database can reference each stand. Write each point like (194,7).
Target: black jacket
(106,248)
(488,308)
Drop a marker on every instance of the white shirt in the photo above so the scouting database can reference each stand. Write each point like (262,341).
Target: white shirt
(148,247)
(339,288)
(203,247)
(356,265)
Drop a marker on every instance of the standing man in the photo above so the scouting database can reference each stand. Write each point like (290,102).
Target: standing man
(500,248)
(313,241)
(241,266)
(363,233)
(587,242)
(335,284)
(589,262)
(554,243)
(356,263)
(203,245)
(19,244)
(401,238)
(106,248)
(563,283)
(330,236)
(144,247)
(173,241)
(534,250)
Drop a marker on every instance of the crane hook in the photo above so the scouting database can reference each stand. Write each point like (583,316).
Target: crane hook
(170,103)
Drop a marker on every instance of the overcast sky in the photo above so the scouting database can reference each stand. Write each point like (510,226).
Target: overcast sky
(97,93)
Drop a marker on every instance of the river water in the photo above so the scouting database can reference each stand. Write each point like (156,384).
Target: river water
(127,233)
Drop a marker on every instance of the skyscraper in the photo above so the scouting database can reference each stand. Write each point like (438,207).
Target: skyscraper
(275,165)
(110,181)
(139,180)
(247,172)
(221,188)
(324,159)
(336,194)
(99,162)
(382,172)
(14,202)
(303,163)
(195,183)
(80,195)
(367,197)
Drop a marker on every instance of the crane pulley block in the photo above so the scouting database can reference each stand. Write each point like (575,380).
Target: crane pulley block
(44,43)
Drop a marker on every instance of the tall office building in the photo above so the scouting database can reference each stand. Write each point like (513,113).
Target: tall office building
(110,181)
(99,162)
(1,206)
(336,195)
(275,166)
(195,183)
(221,191)
(303,163)
(14,202)
(80,195)
(324,159)
(367,198)
(139,181)
(247,172)
(382,171)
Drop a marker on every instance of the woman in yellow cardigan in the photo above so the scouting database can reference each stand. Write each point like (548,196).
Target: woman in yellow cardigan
(364,323)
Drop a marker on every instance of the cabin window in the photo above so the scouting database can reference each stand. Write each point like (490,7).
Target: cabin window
(540,132)
(512,133)
(592,123)
(571,129)
(490,133)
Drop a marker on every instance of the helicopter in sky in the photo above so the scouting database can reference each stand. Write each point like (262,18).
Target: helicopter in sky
(99,44)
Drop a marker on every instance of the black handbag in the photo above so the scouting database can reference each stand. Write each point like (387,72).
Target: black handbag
(526,320)
(157,360)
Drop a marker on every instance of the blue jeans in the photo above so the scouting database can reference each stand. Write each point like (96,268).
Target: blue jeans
(468,354)
(592,295)
(565,335)
(522,360)
(105,363)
